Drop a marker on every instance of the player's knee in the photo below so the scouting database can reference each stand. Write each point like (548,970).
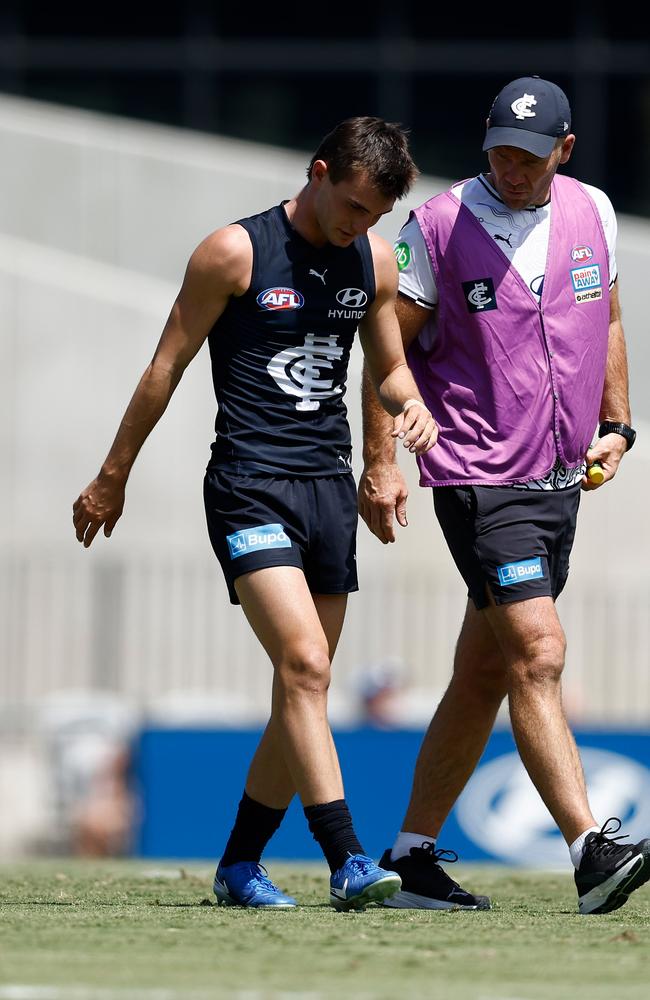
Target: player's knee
(540,662)
(305,669)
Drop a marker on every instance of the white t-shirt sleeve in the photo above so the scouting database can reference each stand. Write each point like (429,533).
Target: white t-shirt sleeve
(610,227)
(416,279)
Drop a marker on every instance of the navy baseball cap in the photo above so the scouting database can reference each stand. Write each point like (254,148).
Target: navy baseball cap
(529,113)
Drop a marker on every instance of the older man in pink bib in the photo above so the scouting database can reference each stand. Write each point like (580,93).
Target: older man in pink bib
(510,313)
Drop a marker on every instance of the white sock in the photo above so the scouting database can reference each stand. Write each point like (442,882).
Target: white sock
(575,849)
(405,841)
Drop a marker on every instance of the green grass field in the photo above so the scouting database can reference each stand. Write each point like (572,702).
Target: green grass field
(145,931)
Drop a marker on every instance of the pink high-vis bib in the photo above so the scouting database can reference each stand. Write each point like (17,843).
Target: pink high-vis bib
(513,384)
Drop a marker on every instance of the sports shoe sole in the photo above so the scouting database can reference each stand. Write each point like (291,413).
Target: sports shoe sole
(377,892)
(615,891)
(411,901)
(225,899)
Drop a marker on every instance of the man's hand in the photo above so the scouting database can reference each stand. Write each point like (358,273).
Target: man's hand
(609,451)
(415,427)
(100,503)
(382,495)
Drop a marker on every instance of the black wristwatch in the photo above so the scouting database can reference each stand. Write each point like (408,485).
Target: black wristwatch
(612,427)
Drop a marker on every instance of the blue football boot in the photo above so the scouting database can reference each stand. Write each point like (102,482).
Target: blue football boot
(359,882)
(247,884)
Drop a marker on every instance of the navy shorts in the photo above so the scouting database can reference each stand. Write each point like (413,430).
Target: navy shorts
(516,542)
(258,521)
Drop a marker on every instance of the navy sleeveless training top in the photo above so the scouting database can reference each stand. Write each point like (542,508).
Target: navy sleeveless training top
(280,353)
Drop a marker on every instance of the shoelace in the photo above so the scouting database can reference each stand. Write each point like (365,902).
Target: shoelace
(361,866)
(263,879)
(428,847)
(603,843)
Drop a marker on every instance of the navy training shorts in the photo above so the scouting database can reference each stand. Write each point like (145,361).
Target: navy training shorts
(256,521)
(515,541)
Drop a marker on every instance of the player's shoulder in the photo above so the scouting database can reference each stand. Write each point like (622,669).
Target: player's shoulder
(225,254)
(384,264)
(228,243)
(602,200)
(379,247)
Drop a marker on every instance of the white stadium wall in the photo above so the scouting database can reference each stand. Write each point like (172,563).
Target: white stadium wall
(97,220)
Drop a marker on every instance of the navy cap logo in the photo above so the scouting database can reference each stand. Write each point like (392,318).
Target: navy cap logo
(521,107)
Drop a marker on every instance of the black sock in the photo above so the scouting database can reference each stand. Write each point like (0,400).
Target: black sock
(254,826)
(331,825)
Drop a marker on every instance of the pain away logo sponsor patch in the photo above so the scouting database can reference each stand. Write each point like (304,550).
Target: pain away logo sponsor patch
(587,286)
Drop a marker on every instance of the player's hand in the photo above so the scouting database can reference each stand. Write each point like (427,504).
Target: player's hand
(382,496)
(415,427)
(608,451)
(101,503)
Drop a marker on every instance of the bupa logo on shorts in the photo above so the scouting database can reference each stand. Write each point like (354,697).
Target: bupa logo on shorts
(518,572)
(586,283)
(280,298)
(581,254)
(480,295)
(262,536)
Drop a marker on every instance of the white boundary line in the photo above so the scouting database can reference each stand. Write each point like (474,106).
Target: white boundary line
(17,991)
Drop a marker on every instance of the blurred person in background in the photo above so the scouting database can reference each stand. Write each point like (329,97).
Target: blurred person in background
(380,688)
(87,750)
(279,296)
(509,310)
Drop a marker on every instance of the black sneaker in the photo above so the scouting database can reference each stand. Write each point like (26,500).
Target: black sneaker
(609,872)
(425,886)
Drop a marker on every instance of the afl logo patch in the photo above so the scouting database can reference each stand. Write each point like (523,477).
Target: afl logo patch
(353,298)
(581,254)
(280,298)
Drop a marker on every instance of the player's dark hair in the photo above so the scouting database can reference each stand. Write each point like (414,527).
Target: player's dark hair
(379,148)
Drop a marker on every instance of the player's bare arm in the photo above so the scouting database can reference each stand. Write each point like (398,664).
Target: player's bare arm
(382,488)
(219,268)
(384,354)
(615,404)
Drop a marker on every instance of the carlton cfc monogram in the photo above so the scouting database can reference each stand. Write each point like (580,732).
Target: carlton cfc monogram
(480,295)
(297,370)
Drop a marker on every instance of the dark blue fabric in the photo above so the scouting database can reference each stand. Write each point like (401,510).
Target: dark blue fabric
(280,353)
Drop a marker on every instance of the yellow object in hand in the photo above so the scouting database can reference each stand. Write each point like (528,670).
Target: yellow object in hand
(596,474)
